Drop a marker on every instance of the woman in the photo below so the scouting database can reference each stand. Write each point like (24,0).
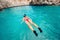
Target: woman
(28,21)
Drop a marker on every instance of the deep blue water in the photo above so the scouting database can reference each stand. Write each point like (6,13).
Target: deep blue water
(47,17)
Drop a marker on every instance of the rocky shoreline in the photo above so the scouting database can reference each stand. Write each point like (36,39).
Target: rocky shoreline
(13,3)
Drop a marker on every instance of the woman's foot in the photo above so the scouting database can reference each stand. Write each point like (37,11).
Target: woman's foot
(35,33)
(40,29)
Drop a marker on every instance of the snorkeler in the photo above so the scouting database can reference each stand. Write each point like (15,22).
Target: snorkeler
(28,21)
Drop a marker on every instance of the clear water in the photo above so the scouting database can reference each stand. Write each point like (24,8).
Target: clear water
(47,17)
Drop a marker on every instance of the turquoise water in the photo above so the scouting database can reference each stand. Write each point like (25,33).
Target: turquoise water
(47,17)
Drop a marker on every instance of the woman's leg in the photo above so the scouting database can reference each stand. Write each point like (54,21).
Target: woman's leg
(33,24)
(36,26)
(31,28)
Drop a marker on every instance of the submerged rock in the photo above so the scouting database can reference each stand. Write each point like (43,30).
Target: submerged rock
(1,9)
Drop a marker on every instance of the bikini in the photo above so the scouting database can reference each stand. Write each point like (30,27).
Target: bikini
(26,19)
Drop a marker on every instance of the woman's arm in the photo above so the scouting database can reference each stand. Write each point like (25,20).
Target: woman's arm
(22,21)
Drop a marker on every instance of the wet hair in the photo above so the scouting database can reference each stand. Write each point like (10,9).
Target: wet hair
(24,15)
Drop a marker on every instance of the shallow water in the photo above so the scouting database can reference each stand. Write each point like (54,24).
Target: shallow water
(47,17)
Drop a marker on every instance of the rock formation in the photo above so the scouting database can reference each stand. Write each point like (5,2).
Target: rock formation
(11,3)
(49,2)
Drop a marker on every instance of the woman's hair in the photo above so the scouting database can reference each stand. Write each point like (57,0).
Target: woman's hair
(24,15)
